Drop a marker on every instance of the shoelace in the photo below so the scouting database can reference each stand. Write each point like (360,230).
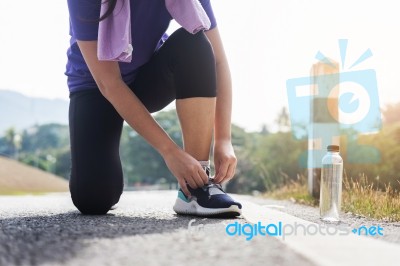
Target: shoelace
(210,185)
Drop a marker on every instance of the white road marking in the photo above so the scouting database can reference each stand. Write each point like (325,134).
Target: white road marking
(329,250)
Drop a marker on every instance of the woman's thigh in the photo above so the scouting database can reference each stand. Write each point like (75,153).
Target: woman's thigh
(183,67)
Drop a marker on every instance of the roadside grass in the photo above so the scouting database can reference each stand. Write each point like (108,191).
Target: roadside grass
(364,198)
(295,191)
(359,197)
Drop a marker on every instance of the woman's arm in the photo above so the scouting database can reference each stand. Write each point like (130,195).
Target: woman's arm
(224,155)
(108,78)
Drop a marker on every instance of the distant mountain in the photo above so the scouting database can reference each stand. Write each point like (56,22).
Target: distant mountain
(20,111)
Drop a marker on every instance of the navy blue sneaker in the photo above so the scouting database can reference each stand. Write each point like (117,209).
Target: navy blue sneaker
(208,201)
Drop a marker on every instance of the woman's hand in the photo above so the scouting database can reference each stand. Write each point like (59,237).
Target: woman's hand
(186,169)
(224,161)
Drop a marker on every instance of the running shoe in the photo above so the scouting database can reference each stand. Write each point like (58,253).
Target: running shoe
(208,201)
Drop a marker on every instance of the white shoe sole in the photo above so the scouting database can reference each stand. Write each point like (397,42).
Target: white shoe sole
(193,208)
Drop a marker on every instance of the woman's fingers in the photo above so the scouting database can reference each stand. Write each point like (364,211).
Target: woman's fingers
(230,173)
(199,177)
(186,169)
(190,180)
(197,180)
(183,185)
(226,170)
(221,172)
(204,177)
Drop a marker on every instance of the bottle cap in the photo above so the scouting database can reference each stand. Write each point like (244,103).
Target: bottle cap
(334,148)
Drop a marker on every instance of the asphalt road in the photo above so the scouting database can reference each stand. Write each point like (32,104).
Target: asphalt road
(143,230)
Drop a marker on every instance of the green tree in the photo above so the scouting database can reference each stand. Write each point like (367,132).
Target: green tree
(46,147)
(43,137)
(12,143)
(62,165)
(141,162)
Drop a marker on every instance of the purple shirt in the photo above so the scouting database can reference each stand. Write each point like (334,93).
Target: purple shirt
(150,20)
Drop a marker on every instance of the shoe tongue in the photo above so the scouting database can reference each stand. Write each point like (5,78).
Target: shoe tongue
(214,189)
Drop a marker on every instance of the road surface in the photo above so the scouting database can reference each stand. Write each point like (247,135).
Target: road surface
(144,230)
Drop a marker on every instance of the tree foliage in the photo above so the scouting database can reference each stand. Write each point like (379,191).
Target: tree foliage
(43,146)
(266,160)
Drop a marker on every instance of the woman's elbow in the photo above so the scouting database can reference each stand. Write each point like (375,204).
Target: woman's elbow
(107,87)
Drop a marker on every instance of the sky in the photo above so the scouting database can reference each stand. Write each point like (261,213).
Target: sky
(267,42)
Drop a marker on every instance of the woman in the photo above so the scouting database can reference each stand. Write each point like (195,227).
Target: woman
(189,68)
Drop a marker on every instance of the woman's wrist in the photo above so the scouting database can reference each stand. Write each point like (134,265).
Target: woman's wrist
(225,140)
(222,129)
(167,148)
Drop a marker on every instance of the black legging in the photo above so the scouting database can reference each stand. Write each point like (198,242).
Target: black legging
(184,67)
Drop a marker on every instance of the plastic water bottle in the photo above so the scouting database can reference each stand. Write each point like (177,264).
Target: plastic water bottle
(331,184)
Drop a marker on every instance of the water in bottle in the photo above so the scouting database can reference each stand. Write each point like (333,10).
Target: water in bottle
(331,184)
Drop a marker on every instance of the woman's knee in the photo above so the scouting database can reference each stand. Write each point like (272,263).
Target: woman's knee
(193,50)
(187,43)
(94,198)
(194,66)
